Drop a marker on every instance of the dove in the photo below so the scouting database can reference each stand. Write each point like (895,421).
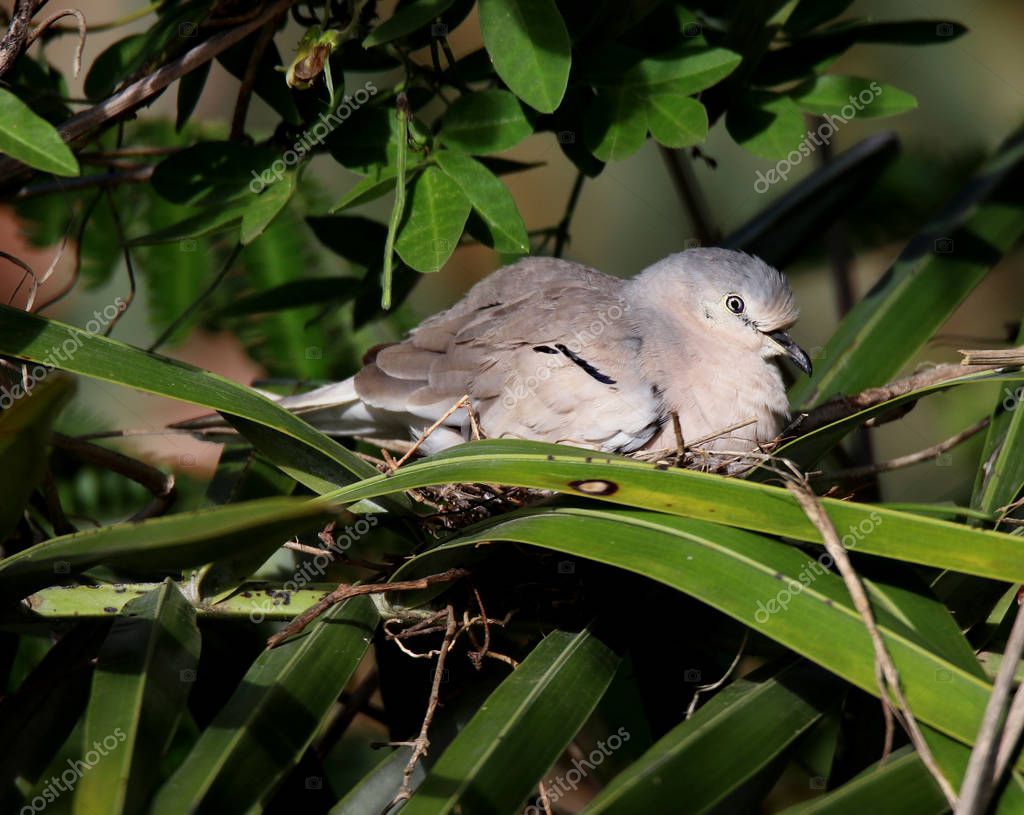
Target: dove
(552,350)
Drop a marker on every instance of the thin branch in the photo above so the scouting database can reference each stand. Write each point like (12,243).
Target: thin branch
(181,318)
(264,39)
(17,34)
(1003,356)
(344,592)
(119,227)
(561,231)
(981,777)
(136,175)
(143,90)
(160,484)
(422,742)
(936,450)
(463,402)
(689,192)
(82,31)
(885,670)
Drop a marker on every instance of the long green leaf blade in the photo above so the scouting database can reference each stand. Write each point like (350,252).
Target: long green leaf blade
(501,755)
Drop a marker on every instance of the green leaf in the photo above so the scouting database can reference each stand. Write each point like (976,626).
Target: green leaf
(114,66)
(372,187)
(485,122)
(528,42)
(901,785)
(300,293)
(771,587)
(615,124)
(850,96)
(31,337)
(270,84)
(353,237)
(768,125)
(145,670)
(407,19)
(735,736)
(681,71)
(676,120)
(25,424)
(931,277)
(174,542)
(692,494)
(190,88)
(489,197)
(498,759)
(211,219)
(810,14)
(270,720)
(437,213)
(213,172)
(265,208)
(27,138)
(1000,478)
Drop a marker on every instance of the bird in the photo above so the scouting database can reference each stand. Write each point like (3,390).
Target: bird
(553,350)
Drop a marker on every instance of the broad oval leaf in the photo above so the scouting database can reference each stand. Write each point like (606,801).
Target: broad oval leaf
(485,122)
(490,198)
(850,96)
(676,120)
(437,213)
(407,19)
(529,45)
(769,126)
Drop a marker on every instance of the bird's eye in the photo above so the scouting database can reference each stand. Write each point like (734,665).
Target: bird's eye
(734,304)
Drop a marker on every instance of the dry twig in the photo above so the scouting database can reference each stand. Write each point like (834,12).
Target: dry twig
(344,592)
(885,670)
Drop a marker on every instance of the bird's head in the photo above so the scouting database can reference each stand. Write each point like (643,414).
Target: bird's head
(739,298)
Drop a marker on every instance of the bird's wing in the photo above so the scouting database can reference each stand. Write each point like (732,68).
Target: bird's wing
(546,349)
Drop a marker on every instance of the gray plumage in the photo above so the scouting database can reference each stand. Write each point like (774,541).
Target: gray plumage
(555,351)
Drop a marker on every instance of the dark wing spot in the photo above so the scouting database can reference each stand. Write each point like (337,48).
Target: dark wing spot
(596,487)
(544,349)
(586,366)
(489,305)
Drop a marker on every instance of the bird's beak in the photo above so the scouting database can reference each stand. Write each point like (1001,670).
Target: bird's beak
(785,344)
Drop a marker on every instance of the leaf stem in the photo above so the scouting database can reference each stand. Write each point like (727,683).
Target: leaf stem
(402,107)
